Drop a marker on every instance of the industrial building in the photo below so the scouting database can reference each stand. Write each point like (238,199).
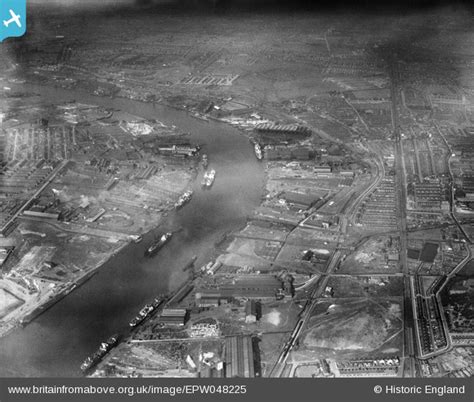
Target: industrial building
(42,215)
(270,133)
(300,200)
(322,169)
(239,357)
(283,152)
(208,298)
(252,313)
(246,286)
(173,316)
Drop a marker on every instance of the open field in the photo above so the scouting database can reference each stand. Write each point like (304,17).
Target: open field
(362,326)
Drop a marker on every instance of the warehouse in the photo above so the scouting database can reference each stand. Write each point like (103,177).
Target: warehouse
(239,357)
(42,215)
(252,286)
(173,316)
(246,286)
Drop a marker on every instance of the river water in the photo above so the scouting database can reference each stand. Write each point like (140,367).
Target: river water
(56,342)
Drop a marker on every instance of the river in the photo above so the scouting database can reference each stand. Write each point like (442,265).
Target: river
(56,342)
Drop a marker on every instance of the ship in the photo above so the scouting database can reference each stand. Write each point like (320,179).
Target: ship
(205,161)
(258,151)
(156,246)
(208,178)
(136,238)
(99,354)
(135,321)
(157,302)
(186,197)
(146,311)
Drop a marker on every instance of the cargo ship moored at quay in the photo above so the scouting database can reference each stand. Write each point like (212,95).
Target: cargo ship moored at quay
(184,199)
(146,311)
(99,354)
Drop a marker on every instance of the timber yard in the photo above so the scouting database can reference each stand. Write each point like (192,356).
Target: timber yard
(253,195)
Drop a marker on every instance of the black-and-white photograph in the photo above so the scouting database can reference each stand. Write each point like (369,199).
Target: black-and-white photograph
(204,189)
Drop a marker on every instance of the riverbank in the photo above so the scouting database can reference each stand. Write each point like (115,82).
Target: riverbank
(124,281)
(49,267)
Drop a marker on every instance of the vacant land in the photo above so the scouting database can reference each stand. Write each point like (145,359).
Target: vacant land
(362,325)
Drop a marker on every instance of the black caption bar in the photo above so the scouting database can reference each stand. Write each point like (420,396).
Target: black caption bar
(357,389)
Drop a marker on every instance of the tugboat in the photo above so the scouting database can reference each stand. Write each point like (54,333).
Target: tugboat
(186,197)
(205,161)
(156,246)
(258,151)
(208,178)
(99,354)
(136,238)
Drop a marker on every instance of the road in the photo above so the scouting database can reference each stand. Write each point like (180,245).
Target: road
(305,313)
(401,190)
(380,175)
(451,190)
(319,284)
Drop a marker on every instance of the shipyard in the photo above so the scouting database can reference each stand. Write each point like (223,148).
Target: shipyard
(292,201)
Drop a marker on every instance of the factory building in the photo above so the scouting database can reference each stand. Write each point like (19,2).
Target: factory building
(284,152)
(253,286)
(239,357)
(300,200)
(205,298)
(258,286)
(173,316)
(270,133)
(42,215)
(252,313)
(322,169)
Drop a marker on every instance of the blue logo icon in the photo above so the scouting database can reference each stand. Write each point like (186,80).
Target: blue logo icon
(12,18)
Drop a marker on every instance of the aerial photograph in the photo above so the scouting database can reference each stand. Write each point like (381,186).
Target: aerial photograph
(219,189)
